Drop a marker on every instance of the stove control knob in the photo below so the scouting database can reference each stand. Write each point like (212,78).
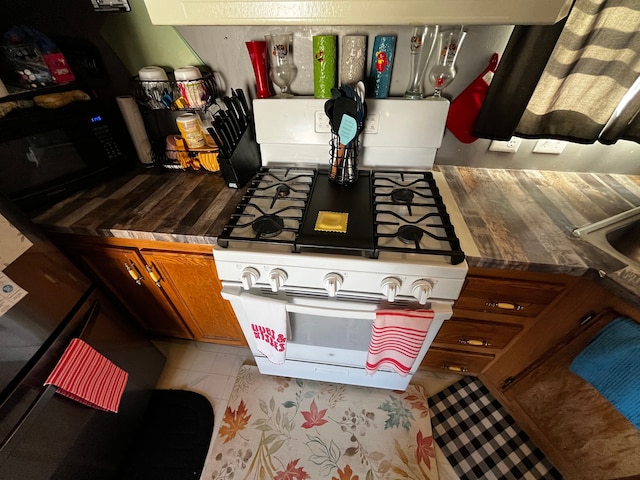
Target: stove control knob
(277,278)
(249,277)
(390,287)
(421,290)
(332,283)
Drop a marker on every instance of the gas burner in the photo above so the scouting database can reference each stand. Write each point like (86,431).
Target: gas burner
(403,196)
(410,234)
(282,191)
(267,226)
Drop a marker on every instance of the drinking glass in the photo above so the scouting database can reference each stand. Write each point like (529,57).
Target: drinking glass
(443,71)
(283,71)
(422,41)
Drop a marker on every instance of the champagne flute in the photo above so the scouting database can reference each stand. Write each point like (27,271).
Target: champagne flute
(282,70)
(443,71)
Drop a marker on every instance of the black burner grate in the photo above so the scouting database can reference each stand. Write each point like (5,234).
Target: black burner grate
(407,214)
(410,215)
(271,211)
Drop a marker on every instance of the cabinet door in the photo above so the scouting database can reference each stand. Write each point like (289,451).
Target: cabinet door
(583,435)
(191,280)
(123,271)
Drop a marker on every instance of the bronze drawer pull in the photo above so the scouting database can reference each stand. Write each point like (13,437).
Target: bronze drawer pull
(475,342)
(154,276)
(134,272)
(455,368)
(505,305)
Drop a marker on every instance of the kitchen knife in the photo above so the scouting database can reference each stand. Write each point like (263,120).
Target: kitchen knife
(226,133)
(233,116)
(217,139)
(242,119)
(243,101)
(227,141)
(229,126)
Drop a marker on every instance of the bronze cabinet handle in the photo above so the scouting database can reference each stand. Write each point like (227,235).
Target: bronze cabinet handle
(133,271)
(154,276)
(475,342)
(504,305)
(455,368)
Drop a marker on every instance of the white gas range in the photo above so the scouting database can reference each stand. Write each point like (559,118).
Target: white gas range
(330,256)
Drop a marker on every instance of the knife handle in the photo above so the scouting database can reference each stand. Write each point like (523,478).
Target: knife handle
(243,101)
(216,139)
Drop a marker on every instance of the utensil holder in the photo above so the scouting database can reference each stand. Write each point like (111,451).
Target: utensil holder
(244,161)
(167,94)
(343,166)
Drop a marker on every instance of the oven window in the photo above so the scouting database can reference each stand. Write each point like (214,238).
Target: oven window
(37,160)
(343,333)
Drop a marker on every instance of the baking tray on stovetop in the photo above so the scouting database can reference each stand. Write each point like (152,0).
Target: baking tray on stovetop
(356,201)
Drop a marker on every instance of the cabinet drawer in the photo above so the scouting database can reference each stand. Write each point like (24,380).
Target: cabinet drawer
(507,296)
(475,333)
(455,361)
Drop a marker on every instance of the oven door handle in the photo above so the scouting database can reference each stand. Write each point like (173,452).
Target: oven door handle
(331,312)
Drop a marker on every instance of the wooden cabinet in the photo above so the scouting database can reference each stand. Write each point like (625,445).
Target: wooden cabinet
(581,433)
(172,289)
(353,12)
(494,310)
(192,281)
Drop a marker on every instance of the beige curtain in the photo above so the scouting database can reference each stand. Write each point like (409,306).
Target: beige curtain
(595,62)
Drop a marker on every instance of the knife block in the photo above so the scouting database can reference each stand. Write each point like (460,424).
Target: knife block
(244,161)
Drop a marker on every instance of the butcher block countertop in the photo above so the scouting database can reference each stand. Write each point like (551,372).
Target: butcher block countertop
(514,219)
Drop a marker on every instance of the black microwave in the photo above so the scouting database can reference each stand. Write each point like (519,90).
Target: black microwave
(48,153)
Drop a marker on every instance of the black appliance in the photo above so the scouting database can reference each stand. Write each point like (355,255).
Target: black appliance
(49,153)
(44,435)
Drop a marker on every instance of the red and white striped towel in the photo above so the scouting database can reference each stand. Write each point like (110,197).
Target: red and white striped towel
(398,336)
(85,375)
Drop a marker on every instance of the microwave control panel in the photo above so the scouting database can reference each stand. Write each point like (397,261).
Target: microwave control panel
(103,134)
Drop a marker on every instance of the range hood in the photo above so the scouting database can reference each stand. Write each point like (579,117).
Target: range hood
(356,12)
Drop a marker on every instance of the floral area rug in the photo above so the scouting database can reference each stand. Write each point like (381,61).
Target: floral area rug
(290,429)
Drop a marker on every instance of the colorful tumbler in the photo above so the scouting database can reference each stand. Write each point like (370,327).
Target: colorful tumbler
(324,65)
(384,48)
(353,59)
(258,55)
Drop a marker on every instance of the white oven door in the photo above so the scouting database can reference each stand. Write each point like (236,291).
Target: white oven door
(329,331)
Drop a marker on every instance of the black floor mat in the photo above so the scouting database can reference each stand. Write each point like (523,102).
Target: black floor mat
(480,439)
(174,439)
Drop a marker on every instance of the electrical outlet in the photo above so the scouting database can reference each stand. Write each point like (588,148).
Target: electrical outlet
(510,146)
(322,124)
(372,123)
(554,147)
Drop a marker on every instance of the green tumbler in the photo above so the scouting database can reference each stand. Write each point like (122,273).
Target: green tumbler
(324,65)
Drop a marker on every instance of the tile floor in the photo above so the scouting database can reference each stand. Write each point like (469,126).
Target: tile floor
(211,369)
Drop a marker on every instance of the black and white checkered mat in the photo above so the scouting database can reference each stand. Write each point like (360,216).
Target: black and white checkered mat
(480,439)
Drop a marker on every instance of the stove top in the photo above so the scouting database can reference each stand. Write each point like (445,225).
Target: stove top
(383,213)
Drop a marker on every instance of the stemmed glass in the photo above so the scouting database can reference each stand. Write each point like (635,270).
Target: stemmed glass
(422,41)
(443,71)
(282,70)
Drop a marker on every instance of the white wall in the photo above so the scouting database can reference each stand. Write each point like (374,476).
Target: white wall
(223,49)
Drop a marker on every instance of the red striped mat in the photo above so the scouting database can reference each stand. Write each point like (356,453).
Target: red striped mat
(85,375)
